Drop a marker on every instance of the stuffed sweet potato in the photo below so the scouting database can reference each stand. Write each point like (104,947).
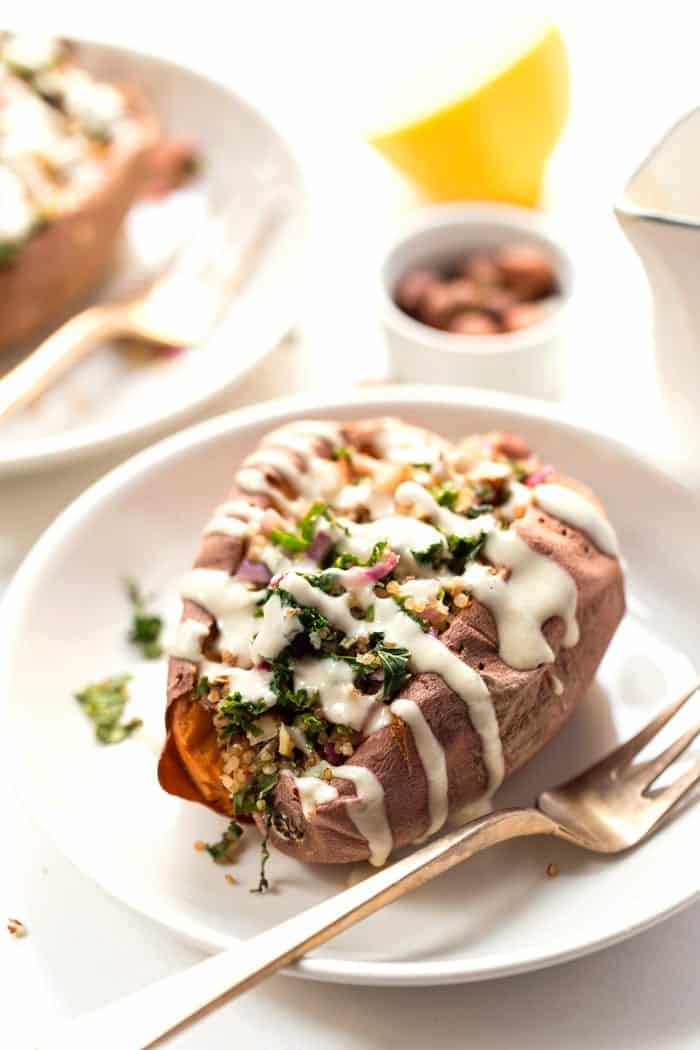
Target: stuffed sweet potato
(378,629)
(75,153)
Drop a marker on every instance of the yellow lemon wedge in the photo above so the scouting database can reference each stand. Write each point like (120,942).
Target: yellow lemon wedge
(482,123)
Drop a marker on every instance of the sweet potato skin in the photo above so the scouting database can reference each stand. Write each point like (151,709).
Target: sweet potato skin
(529,708)
(63,261)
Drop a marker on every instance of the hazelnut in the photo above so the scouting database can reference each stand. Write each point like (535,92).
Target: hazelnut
(473,322)
(482,268)
(409,292)
(442,301)
(526,271)
(496,302)
(522,315)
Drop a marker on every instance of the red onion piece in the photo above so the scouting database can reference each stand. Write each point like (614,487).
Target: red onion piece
(540,475)
(319,547)
(253,572)
(371,573)
(331,755)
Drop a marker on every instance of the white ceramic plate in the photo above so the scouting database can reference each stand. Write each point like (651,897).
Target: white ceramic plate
(246,169)
(64,625)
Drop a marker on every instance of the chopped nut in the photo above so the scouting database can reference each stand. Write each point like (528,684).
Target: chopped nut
(393,588)
(286,744)
(461,600)
(327,774)
(552,870)
(16,928)
(231,881)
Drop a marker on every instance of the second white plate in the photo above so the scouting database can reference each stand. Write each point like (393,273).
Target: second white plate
(64,623)
(246,170)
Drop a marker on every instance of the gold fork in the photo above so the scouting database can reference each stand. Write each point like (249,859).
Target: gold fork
(607,809)
(178,309)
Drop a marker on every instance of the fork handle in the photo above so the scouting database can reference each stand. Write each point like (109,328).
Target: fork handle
(60,351)
(140,1020)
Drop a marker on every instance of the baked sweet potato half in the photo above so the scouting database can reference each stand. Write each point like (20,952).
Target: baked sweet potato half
(380,626)
(75,153)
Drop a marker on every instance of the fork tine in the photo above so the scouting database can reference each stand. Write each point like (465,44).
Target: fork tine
(619,759)
(646,773)
(672,794)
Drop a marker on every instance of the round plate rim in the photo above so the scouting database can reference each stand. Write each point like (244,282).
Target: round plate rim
(44,453)
(323,969)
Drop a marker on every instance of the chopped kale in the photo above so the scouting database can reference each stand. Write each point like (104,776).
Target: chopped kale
(342,452)
(263,884)
(432,555)
(325,581)
(145,627)
(446,495)
(203,686)
(252,798)
(104,703)
(401,600)
(312,621)
(478,509)
(311,725)
(282,685)
(221,852)
(236,715)
(394,663)
(349,561)
(466,548)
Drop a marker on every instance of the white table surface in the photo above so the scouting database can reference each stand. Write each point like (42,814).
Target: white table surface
(311,66)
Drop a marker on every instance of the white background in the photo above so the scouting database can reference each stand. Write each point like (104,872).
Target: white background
(313,68)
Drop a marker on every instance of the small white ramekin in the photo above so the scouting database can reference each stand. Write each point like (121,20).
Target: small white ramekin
(530,361)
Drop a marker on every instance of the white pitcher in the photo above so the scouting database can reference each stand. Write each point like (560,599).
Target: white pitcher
(660,214)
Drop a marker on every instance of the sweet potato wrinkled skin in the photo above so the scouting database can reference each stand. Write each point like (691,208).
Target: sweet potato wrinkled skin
(529,708)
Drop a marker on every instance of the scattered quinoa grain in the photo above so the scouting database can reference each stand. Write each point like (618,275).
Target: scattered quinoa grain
(200,845)
(552,871)
(231,881)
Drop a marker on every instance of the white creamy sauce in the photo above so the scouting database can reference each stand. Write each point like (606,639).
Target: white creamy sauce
(519,499)
(313,792)
(422,590)
(282,462)
(231,604)
(240,508)
(253,683)
(535,590)
(405,535)
(432,756)
(363,495)
(430,654)
(332,680)
(335,608)
(522,589)
(187,642)
(221,525)
(411,493)
(574,509)
(368,811)
(278,626)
